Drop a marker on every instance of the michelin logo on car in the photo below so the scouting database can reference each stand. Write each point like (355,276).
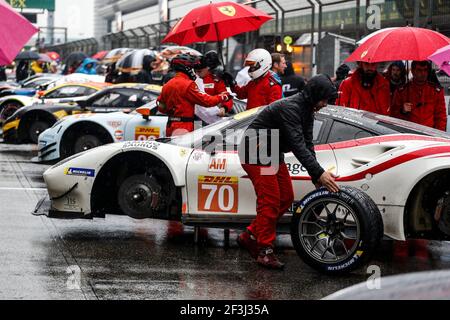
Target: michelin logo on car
(82,172)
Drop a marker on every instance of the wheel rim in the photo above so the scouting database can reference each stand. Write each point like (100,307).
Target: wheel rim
(36,130)
(329,231)
(81,146)
(138,197)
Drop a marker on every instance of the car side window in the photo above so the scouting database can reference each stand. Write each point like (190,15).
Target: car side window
(66,92)
(106,99)
(317,130)
(341,131)
(128,98)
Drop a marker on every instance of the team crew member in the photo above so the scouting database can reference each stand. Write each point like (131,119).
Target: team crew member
(365,89)
(180,95)
(421,101)
(293,118)
(263,89)
(209,71)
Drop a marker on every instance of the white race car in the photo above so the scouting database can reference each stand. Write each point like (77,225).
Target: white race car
(81,132)
(403,169)
(77,133)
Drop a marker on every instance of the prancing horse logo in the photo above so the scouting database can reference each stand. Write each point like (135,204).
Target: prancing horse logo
(228,10)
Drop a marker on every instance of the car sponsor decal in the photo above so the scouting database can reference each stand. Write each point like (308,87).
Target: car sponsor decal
(218,194)
(60,114)
(11,125)
(70,204)
(118,134)
(82,172)
(114,124)
(183,153)
(197,155)
(146,133)
(153,145)
(83,115)
(217,165)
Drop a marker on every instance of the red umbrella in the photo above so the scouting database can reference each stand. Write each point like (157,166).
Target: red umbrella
(216,22)
(53,55)
(100,55)
(15,31)
(403,43)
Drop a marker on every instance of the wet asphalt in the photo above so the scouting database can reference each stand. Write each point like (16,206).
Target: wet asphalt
(122,258)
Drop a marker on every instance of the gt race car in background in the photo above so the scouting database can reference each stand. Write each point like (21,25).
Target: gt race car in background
(396,184)
(79,133)
(49,89)
(27,123)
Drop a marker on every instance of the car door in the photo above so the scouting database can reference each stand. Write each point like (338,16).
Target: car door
(218,185)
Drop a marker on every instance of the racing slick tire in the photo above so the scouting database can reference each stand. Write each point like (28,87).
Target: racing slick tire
(86,142)
(139,196)
(336,233)
(36,128)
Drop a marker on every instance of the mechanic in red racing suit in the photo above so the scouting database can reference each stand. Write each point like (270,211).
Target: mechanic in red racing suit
(263,89)
(292,121)
(180,95)
(213,82)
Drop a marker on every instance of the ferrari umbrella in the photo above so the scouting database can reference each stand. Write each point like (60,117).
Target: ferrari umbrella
(403,43)
(115,54)
(28,55)
(216,22)
(442,59)
(15,31)
(132,62)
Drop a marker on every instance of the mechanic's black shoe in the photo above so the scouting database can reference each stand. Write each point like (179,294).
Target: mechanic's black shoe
(267,258)
(247,241)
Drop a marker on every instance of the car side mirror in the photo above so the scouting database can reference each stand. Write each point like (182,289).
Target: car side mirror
(145,112)
(40,94)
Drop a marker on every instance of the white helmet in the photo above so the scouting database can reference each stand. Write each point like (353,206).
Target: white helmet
(259,61)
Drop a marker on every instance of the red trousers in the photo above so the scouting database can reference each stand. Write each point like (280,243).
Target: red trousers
(274,197)
(179,128)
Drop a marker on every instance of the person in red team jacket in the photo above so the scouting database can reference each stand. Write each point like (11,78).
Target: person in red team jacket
(421,101)
(263,89)
(180,95)
(365,89)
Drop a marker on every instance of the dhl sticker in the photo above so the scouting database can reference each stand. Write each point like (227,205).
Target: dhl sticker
(218,180)
(146,133)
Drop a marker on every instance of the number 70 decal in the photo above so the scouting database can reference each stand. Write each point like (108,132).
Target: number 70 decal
(218,194)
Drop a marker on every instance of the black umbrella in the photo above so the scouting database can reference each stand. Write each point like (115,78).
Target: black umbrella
(133,62)
(28,55)
(75,57)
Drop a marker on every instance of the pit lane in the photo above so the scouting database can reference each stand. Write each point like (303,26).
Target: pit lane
(122,258)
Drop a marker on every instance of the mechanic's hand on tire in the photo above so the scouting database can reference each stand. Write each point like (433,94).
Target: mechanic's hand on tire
(327,180)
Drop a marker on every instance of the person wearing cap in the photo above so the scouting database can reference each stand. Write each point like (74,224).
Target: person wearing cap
(291,120)
(263,89)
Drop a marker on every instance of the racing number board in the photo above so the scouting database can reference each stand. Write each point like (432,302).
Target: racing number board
(218,194)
